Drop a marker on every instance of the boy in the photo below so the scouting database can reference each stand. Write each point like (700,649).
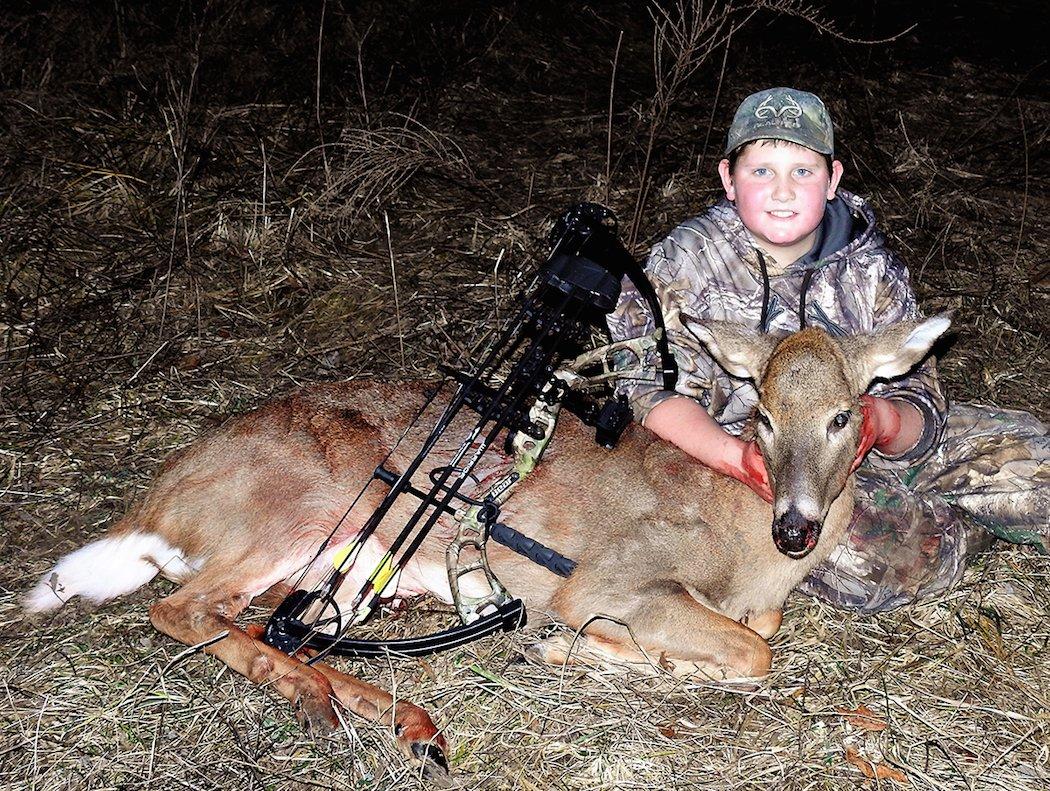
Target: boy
(787,249)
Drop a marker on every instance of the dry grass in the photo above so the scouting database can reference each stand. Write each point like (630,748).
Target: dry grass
(176,245)
(957,691)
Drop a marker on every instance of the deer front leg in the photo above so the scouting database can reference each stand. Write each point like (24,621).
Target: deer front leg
(668,624)
(765,623)
(590,650)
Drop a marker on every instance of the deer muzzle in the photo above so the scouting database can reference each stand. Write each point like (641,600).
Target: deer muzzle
(794,535)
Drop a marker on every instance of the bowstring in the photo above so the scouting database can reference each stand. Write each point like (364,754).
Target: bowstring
(488,344)
(331,534)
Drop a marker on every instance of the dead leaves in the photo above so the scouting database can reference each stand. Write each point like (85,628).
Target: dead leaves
(668,731)
(990,628)
(864,718)
(869,722)
(873,770)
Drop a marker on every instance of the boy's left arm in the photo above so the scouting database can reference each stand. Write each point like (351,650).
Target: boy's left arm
(906,415)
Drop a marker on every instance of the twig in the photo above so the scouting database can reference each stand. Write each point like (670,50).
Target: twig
(1024,198)
(263,220)
(393,276)
(714,104)
(178,138)
(193,649)
(495,284)
(361,74)
(608,141)
(149,359)
(683,39)
(317,94)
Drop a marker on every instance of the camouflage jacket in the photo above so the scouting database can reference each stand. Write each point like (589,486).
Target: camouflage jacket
(708,268)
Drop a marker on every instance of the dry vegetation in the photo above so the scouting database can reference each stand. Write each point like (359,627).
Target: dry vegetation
(199,204)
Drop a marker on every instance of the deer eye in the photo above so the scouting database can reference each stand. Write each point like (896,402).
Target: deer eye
(840,420)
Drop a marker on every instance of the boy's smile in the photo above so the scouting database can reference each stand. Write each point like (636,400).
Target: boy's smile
(781,190)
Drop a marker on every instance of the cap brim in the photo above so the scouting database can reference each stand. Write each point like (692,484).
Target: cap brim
(790,135)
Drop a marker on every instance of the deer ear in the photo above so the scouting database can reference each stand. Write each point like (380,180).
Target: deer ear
(894,351)
(741,352)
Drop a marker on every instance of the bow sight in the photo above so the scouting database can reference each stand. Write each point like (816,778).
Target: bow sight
(517,390)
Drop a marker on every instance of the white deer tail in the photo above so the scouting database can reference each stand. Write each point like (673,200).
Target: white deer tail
(104,569)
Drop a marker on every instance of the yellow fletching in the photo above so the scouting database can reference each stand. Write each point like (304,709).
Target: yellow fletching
(384,571)
(344,558)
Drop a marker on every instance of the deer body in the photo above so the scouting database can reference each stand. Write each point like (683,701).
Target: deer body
(681,555)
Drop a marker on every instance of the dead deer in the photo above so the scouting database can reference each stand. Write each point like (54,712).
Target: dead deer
(694,564)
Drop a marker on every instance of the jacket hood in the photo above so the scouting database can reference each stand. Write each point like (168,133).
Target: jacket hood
(848,229)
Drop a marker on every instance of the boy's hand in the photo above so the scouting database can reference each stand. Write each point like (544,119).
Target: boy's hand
(880,426)
(753,471)
(683,422)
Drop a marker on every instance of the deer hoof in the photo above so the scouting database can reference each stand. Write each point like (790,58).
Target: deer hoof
(550,651)
(419,740)
(432,759)
(316,716)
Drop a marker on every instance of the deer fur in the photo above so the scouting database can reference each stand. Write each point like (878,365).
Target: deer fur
(676,560)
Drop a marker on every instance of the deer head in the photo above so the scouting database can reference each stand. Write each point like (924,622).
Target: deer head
(808,417)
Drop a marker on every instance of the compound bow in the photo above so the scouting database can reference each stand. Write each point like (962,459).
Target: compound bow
(575,288)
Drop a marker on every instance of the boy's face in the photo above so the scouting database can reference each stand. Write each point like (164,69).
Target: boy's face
(781,190)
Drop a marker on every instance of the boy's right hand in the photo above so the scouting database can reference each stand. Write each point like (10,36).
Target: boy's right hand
(685,423)
(753,471)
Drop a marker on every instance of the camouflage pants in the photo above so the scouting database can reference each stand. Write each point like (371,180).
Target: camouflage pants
(913,529)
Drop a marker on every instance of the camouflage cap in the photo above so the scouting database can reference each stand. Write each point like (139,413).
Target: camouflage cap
(783,114)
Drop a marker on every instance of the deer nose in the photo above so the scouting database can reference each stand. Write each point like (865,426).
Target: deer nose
(795,535)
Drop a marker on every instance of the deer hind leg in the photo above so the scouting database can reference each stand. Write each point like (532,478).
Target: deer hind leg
(674,629)
(415,733)
(197,613)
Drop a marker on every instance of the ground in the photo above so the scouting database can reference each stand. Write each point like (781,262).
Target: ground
(203,205)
